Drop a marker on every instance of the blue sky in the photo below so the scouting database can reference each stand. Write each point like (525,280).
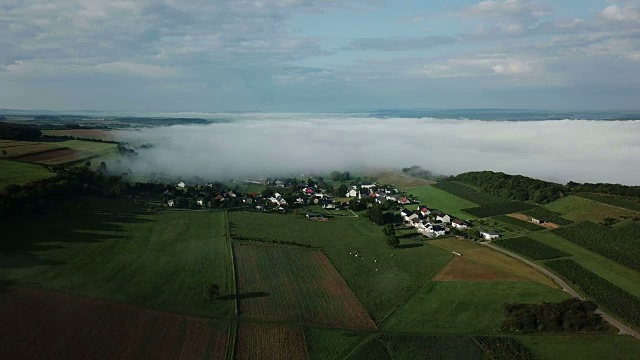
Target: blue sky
(311,55)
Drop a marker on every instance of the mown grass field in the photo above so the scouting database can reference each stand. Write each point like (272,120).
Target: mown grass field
(433,197)
(481,263)
(160,260)
(13,172)
(292,283)
(399,271)
(465,308)
(615,273)
(583,346)
(578,209)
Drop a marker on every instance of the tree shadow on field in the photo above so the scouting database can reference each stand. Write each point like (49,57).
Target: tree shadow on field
(409,246)
(249,295)
(408,236)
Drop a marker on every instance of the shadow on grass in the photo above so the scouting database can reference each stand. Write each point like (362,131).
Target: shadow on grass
(409,246)
(249,295)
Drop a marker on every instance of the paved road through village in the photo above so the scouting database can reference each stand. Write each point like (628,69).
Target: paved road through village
(624,329)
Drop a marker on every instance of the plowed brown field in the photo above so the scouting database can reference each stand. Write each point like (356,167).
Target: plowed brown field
(39,324)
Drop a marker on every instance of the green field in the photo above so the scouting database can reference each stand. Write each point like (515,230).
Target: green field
(13,172)
(499,209)
(578,209)
(521,224)
(583,346)
(625,202)
(493,224)
(430,347)
(435,198)
(330,344)
(159,260)
(456,307)
(530,248)
(617,274)
(468,193)
(400,271)
(370,349)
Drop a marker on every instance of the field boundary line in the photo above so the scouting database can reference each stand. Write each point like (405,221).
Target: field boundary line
(364,340)
(613,206)
(403,304)
(234,287)
(232,342)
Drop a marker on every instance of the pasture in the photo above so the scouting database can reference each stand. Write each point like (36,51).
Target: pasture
(43,324)
(465,308)
(159,260)
(481,263)
(399,271)
(13,172)
(578,209)
(499,209)
(435,198)
(290,283)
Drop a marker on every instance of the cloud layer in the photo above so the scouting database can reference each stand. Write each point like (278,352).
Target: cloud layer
(283,144)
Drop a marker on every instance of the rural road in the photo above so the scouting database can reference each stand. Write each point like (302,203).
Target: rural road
(624,329)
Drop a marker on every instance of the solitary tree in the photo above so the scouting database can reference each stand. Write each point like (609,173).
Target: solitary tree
(393,241)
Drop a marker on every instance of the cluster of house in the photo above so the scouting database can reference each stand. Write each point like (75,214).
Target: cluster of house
(431,222)
(381,194)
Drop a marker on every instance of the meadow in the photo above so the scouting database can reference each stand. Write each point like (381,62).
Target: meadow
(624,202)
(465,307)
(106,249)
(13,172)
(578,209)
(439,199)
(380,286)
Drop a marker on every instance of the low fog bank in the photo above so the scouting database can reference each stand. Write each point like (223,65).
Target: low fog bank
(558,150)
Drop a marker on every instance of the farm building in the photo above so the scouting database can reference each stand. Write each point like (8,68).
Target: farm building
(352,193)
(459,224)
(170,203)
(314,216)
(181,184)
(489,235)
(444,218)
(537,221)
(200,202)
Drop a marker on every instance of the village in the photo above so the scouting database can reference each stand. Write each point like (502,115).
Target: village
(318,201)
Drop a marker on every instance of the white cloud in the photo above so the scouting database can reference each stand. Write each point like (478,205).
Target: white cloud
(482,65)
(559,150)
(628,11)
